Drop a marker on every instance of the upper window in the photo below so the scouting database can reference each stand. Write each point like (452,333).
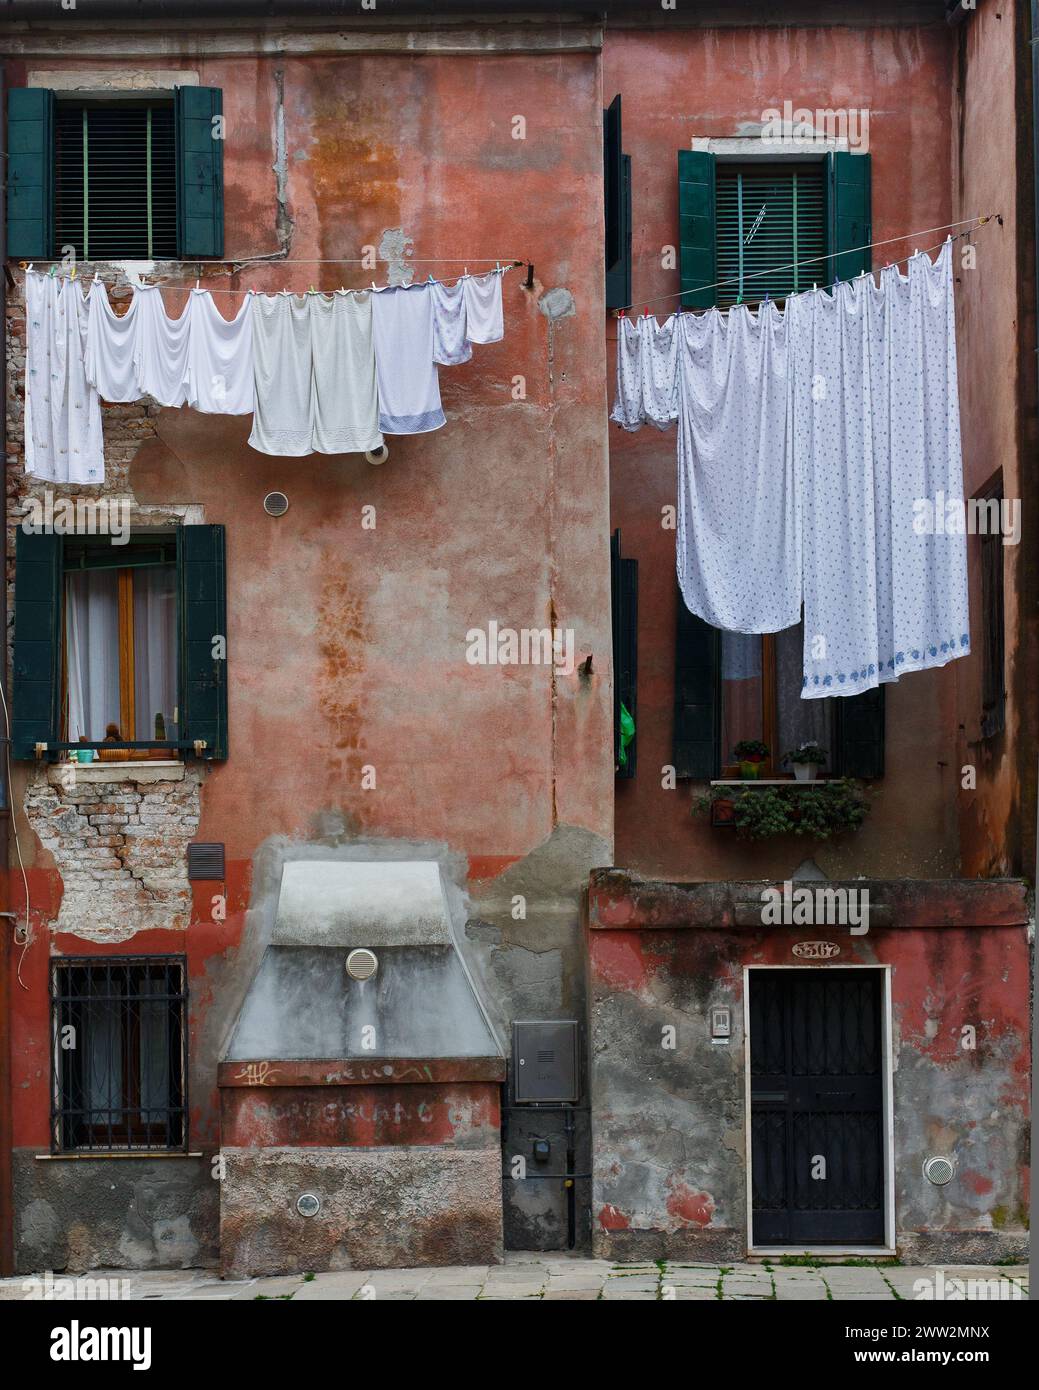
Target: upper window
(115,180)
(120,647)
(119,1046)
(770,218)
(130,177)
(756,215)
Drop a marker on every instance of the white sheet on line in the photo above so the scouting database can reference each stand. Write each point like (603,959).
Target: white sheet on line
(807,443)
(877,429)
(63,439)
(111,343)
(409,391)
(161,348)
(282,371)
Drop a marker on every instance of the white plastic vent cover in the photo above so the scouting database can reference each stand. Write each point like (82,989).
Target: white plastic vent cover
(362,964)
(275,504)
(939,1170)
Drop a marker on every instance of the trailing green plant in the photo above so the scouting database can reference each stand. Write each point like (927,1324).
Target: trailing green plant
(817,810)
(806,753)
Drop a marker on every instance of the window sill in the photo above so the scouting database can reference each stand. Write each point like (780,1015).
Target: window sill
(142,770)
(767,782)
(116,1153)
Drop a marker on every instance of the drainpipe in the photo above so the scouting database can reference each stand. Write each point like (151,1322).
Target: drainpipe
(6,923)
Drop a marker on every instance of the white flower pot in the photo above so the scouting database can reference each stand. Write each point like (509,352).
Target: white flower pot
(806,772)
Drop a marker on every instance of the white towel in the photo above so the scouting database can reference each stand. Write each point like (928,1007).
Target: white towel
(647,380)
(344,398)
(63,440)
(409,391)
(484,318)
(282,373)
(220,357)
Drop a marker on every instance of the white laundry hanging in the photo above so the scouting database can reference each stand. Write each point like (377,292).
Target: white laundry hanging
(111,344)
(161,348)
(315,387)
(739,518)
(63,440)
(451,345)
(220,357)
(484,319)
(409,390)
(806,443)
(877,430)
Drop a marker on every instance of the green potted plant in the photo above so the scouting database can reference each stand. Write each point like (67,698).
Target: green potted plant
(750,753)
(806,760)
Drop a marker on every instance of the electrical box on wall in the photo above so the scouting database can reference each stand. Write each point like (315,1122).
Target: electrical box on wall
(544,1062)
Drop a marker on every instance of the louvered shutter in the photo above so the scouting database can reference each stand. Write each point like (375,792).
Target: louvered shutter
(200,171)
(36,658)
(30,172)
(203,619)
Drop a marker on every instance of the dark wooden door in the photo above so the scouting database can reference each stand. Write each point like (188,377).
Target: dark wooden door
(817,1129)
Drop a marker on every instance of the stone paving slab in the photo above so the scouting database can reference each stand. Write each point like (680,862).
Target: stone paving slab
(547,1276)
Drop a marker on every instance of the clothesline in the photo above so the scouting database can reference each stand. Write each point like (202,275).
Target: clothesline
(310,290)
(812,260)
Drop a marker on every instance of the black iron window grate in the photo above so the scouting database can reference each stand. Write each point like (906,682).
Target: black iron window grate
(119,1051)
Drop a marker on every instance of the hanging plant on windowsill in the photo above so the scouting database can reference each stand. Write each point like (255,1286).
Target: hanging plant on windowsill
(820,811)
(750,753)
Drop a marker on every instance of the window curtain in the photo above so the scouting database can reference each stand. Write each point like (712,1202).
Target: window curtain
(741,690)
(798,721)
(155,649)
(92,652)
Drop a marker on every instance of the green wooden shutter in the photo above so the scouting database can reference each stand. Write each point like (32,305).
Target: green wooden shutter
(617,198)
(696,227)
(697,695)
(624,576)
(203,619)
(36,665)
(851,225)
(30,172)
(200,172)
(860,734)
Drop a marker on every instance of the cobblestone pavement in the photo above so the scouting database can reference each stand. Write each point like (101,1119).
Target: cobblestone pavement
(552,1276)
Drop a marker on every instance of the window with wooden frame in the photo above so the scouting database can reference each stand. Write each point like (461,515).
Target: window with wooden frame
(119,676)
(119,1050)
(731,687)
(117,634)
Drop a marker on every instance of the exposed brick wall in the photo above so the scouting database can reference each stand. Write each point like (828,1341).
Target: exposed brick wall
(120,847)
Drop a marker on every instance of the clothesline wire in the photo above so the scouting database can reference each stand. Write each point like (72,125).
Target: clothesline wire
(758,303)
(811,260)
(162,285)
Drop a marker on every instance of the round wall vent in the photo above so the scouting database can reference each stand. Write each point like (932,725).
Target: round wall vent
(307,1204)
(275,504)
(939,1170)
(362,964)
(379,455)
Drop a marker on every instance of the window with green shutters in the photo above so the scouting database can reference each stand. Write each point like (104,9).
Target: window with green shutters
(769,217)
(54,627)
(115,178)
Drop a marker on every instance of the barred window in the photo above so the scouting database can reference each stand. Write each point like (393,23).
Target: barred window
(120,1053)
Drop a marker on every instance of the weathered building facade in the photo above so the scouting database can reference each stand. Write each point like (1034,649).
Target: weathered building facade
(375,790)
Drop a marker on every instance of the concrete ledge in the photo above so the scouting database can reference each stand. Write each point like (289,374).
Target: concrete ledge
(380,1209)
(701,1246)
(70,775)
(620,901)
